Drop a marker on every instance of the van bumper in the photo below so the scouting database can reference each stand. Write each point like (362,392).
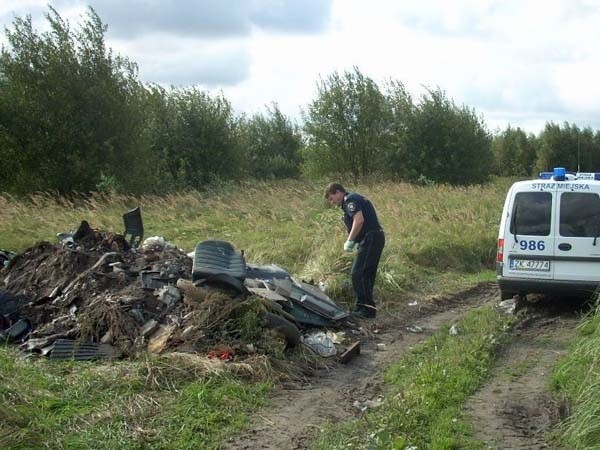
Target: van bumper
(513,286)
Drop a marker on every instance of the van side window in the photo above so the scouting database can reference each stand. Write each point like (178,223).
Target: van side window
(579,214)
(531,215)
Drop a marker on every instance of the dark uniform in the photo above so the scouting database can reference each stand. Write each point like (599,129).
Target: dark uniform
(371,241)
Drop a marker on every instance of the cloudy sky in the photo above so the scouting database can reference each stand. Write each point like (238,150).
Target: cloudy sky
(522,63)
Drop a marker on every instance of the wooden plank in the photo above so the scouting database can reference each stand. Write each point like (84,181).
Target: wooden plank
(352,351)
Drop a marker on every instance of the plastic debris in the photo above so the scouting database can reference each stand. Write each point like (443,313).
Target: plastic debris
(375,403)
(321,343)
(156,243)
(323,285)
(224,354)
(168,294)
(360,406)
(453,330)
(508,306)
(415,329)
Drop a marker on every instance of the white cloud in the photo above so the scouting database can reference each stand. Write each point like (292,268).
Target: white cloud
(514,62)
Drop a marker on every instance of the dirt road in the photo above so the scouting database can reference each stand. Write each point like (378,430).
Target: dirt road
(513,410)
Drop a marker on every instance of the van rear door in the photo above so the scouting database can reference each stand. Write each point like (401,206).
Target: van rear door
(529,242)
(577,251)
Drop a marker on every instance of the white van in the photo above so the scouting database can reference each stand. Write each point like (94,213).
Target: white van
(549,239)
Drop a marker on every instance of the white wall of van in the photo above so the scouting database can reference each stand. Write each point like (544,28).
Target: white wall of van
(549,237)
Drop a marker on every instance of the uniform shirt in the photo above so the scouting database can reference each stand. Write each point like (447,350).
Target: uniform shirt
(351,205)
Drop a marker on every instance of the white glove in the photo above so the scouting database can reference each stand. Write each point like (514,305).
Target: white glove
(349,245)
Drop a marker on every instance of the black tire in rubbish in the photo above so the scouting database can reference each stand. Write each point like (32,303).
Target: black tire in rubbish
(287,329)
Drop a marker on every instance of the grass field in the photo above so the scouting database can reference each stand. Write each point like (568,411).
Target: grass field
(439,239)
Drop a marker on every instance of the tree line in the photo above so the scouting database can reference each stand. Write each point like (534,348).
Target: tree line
(76,117)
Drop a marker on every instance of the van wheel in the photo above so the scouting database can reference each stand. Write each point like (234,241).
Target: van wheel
(284,327)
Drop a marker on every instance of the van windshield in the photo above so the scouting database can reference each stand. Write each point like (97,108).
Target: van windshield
(531,215)
(579,214)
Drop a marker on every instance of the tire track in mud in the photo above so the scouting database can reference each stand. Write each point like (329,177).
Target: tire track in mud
(296,414)
(514,409)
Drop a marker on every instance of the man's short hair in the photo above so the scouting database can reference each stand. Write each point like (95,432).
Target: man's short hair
(332,188)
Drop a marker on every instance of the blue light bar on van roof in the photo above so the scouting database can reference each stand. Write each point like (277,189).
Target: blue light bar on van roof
(560,174)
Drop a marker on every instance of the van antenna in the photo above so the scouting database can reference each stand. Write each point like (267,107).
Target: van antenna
(578,160)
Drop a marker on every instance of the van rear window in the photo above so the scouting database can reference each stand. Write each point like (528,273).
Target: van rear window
(531,215)
(579,214)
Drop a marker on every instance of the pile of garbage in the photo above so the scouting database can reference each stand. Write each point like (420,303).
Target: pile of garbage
(96,294)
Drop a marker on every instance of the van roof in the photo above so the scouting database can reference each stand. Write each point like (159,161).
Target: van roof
(561,174)
(569,181)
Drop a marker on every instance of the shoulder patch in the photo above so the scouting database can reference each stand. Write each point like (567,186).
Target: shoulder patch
(352,206)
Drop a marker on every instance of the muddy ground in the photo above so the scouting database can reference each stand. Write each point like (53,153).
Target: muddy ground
(513,410)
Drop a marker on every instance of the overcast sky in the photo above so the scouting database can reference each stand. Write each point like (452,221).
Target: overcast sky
(522,63)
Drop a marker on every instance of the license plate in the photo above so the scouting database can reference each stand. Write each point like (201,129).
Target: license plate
(530,264)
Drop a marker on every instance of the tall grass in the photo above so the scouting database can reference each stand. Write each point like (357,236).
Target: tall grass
(577,380)
(439,239)
(433,233)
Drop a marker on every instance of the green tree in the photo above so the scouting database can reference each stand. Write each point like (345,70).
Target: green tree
(400,160)
(271,145)
(449,144)
(70,109)
(515,152)
(347,126)
(202,145)
(569,147)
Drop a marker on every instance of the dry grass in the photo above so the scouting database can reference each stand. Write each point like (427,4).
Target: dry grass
(439,238)
(430,230)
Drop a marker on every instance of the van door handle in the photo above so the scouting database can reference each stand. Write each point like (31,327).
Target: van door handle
(564,246)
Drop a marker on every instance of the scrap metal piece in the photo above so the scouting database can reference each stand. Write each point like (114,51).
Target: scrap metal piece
(80,351)
(37,344)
